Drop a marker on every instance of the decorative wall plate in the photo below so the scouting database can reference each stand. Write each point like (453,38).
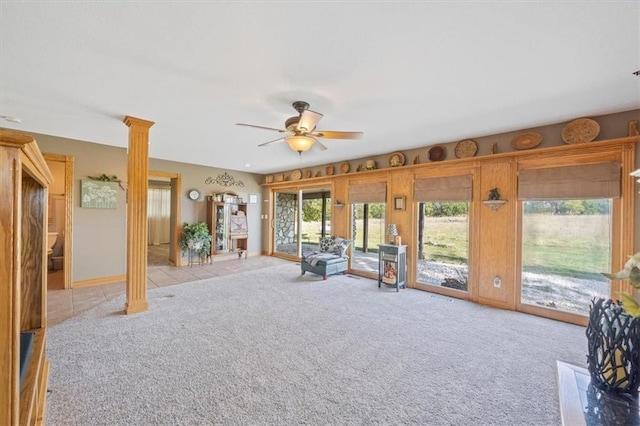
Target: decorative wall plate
(329,170)
(344,167)
(466,148)
(307,174)
(437,153)
(580,130)
(526,140)
(396,159)
(296,175)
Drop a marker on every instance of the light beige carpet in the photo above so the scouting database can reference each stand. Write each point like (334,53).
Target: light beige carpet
(272,347)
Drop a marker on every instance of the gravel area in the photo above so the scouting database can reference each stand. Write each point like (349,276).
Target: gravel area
(552,291)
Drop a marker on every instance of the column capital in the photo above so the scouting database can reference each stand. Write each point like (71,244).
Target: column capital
(137,122)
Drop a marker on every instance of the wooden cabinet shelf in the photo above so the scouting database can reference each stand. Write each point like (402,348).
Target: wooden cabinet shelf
(227,221)
(24,183)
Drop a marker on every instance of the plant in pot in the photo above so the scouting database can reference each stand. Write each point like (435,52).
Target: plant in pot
(613,335)
(195,238)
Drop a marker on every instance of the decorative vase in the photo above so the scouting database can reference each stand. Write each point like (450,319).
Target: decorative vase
(613,348)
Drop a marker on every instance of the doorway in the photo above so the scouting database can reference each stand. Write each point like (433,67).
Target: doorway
(158,222)
(60,221)
(163,217)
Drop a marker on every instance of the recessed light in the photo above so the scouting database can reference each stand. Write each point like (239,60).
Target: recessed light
(11,119)
(247,165)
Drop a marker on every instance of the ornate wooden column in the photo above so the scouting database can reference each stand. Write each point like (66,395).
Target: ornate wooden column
(137,186)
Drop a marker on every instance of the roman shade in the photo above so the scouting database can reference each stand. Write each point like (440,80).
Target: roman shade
(375,192)
(601,180)
(450,188)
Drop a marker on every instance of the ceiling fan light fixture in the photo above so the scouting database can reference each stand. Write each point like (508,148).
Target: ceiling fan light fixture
(308,120)
(299,143)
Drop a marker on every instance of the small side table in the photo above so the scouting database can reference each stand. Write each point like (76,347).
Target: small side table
(392,265)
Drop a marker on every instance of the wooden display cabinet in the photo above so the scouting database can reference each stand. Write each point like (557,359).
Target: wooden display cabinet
(24,182)
(227,221)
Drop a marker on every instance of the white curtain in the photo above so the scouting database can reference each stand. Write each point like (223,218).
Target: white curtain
(159,211)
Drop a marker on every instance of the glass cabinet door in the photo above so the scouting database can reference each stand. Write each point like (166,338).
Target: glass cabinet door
(221,235)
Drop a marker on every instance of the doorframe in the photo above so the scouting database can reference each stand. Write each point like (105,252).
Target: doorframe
(174,220)
(67,248)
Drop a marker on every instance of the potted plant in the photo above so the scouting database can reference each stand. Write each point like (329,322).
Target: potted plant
(195,238)
(613,334)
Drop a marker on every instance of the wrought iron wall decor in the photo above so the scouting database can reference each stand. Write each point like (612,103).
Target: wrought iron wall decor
(225,180)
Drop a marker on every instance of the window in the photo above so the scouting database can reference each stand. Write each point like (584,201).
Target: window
(566,234)
(443,231)
(368,231)
(565,246)
(367,224)
(443,244)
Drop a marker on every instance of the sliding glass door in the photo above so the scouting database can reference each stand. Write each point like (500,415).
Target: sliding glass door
(368,227)
(368,231)
(301,218)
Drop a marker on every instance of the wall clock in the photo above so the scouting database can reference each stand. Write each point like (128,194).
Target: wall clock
(194,194)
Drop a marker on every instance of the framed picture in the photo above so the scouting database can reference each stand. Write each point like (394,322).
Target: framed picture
(399,202)
(253,198)
(98,195)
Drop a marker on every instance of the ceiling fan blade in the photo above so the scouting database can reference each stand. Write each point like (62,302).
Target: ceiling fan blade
(337,135)
(270,142)
(308,120)
(320,145)
(261,127)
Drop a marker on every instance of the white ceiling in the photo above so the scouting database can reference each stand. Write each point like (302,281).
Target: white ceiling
(407,74)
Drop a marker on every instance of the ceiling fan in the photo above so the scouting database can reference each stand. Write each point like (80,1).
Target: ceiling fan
(302,129)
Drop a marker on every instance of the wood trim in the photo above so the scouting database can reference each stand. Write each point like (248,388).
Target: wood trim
(168,175)
(68,221)
(443,291)
(554,314)
(99,281)
(547,153)
(626,229)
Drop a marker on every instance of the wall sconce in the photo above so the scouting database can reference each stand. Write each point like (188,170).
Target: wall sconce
(494,200)
(392,232)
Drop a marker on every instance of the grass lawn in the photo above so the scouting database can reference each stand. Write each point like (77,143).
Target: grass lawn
(552,244)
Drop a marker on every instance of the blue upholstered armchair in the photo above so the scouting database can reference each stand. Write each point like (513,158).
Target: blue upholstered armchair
(331,259)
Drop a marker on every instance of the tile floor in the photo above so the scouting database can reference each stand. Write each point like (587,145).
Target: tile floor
(63,304)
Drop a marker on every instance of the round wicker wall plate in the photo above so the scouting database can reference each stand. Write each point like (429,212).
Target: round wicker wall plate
(307,174)
(580,130)
(526,140)
(344,167)
(296,175)
(437,153)
(396,159)
(466,148)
